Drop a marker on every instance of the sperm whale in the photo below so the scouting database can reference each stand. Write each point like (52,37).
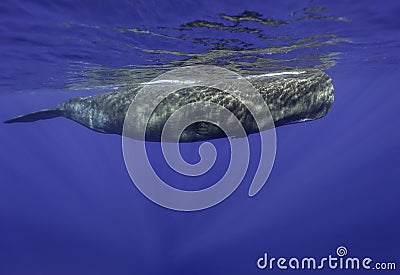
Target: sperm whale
(291,97)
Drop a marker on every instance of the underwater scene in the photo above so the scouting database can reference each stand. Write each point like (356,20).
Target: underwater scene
(199,137)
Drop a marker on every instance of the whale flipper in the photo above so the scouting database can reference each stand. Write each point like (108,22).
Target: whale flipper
(39,115)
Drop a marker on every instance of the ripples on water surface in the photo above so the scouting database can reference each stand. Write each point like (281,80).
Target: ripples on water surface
(105,43)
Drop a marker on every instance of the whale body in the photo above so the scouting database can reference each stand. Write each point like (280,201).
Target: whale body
(291,98)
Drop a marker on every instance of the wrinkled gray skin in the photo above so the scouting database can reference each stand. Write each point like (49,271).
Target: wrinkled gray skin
(290,98)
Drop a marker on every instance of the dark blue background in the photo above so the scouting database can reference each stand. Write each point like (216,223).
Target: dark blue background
(67,204)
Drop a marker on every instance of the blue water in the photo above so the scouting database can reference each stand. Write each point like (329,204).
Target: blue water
(67,204)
